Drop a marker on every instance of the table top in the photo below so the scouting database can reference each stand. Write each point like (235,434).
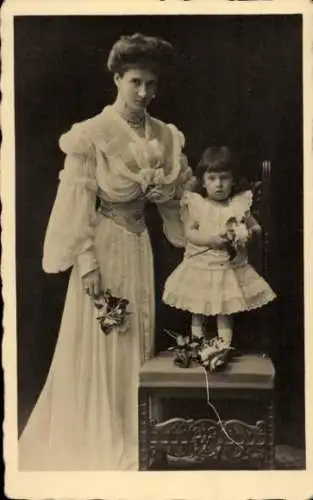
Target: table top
(245,371)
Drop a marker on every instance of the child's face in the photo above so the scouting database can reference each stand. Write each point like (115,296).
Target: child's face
(218,185)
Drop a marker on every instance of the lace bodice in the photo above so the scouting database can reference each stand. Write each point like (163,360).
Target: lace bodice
(106,158)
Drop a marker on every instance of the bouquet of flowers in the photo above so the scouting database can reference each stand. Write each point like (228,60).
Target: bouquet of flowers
(112,311)
(210,354)
(237,235)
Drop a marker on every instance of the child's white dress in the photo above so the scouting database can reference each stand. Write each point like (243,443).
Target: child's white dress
(207,281)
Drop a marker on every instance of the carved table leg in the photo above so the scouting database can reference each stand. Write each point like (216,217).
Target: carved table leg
(144,445)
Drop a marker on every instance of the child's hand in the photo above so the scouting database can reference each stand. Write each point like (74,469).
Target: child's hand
(231,234)
(218,241)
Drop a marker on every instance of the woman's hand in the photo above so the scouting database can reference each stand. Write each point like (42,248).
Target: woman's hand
(92,282)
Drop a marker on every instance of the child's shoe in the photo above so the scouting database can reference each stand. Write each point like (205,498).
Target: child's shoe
(215,354)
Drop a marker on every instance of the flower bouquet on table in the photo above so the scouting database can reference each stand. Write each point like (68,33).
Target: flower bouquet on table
(112,311)
(211,354)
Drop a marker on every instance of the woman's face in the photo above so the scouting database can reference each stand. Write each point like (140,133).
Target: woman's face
(137,87)
(218,185)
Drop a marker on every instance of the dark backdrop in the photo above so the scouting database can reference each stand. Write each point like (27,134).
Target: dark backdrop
(238,81)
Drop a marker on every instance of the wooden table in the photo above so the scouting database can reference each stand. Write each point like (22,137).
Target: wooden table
(178,429)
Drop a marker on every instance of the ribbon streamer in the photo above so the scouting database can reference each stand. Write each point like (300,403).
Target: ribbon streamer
(219,421)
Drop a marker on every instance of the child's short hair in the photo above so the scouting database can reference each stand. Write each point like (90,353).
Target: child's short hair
(215,159)
(219,159)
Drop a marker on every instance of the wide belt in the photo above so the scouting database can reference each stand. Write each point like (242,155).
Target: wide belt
(127,214)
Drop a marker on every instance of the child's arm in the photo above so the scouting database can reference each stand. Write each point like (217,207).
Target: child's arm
(253,226)
(194,236)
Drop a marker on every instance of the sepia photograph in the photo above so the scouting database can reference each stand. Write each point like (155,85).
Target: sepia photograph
(159,242)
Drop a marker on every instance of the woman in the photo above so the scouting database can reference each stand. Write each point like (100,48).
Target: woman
(86,415)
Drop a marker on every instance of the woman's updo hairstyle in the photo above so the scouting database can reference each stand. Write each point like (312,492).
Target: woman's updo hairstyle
(140,51)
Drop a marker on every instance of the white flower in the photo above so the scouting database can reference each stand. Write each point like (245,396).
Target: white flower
(101,303)
(241,234)
(181,340)
(109,321)
(150,157)
(159,176)
(149,177)
(146,176)
(206,352)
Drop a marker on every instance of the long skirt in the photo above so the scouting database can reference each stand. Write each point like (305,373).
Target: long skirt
(86,415)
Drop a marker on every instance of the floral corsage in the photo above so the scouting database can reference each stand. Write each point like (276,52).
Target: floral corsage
(210,354)
(112,311)
(150,157)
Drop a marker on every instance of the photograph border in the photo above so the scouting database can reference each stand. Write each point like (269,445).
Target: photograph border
(150,485)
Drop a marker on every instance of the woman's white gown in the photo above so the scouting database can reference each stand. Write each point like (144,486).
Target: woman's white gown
(86,415)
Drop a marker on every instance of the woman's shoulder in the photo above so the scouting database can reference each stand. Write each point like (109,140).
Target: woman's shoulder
(168,129)
(80,138)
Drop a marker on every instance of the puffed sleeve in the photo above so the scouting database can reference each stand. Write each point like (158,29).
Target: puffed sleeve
(185,171)
(241,204)
(69,237)
(191,206)
(169,209)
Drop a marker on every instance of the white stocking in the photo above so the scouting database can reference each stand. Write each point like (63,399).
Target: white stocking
(225,328)
(196,325)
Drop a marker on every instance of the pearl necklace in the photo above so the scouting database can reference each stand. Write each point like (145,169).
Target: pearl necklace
(134,123)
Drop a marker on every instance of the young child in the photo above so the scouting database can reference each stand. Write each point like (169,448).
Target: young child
(215,278)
